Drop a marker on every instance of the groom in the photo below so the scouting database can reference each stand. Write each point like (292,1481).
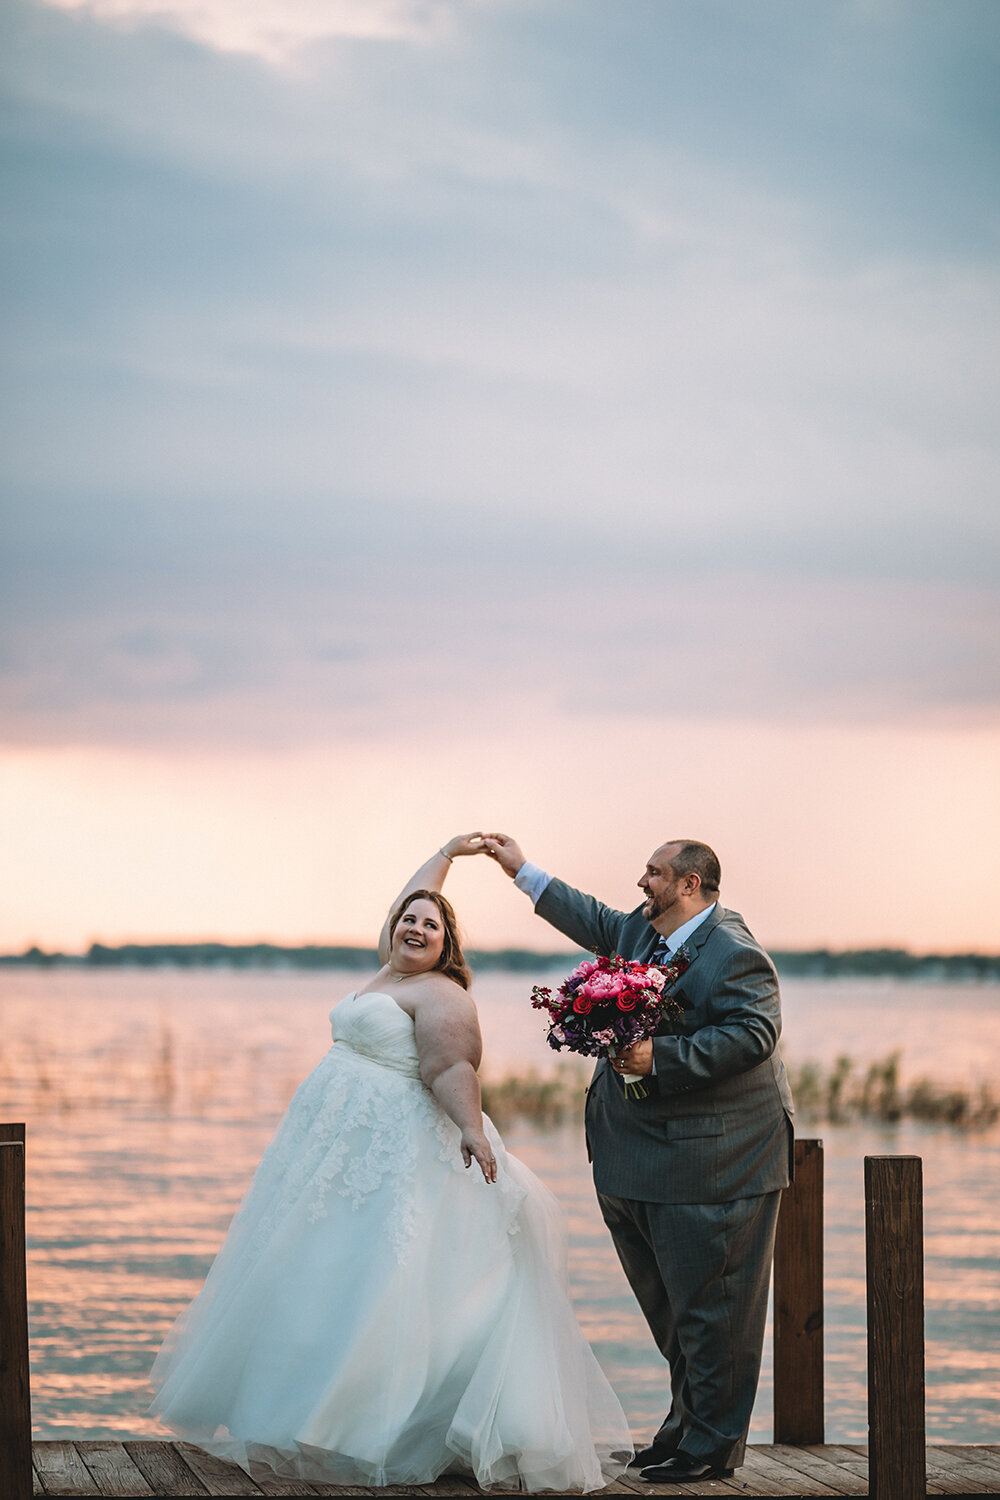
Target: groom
(688,1179)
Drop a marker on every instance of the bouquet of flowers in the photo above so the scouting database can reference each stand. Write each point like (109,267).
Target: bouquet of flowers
(606,1004)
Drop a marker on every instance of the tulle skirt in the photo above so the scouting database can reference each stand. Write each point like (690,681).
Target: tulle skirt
(380,1315)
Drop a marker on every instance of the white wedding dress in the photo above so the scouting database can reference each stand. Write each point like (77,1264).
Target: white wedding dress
(378,1314)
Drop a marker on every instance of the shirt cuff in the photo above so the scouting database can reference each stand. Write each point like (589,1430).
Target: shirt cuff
(531,880)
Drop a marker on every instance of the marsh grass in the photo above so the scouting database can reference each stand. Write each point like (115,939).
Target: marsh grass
(846,1091)
(843,1092)
(540,1099)
(173,1081)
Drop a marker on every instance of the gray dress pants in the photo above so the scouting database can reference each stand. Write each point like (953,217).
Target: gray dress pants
(700,1273)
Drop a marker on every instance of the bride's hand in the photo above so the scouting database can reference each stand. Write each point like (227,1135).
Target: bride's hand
(463,843)
(475,1147)
(505,850)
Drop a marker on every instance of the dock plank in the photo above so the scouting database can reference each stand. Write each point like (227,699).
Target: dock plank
(113,1471)
(772,1472)
(164,1469)
(786,1481)
(747,1481)
(632,1483)
(449,1484)
(344,1489)
(966,1471)
(62,1470)
(842,1479)
(270,1483)
(720,1487)
(617,1488)
(978,1453)
(624,1486)
(852,1463)
(218,1476)
(937,1482)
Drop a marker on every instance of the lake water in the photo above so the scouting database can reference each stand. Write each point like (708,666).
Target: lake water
(149,1097)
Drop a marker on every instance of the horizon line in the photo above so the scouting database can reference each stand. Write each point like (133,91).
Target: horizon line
(202,951)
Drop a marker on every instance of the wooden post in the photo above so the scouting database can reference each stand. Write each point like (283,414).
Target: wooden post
(15,1402)
(798,1303)
(894,1248)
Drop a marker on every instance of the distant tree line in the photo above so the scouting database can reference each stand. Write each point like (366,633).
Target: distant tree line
(896,963)
(812,963)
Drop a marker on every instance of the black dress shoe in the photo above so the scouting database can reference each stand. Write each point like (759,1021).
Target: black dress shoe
(681,1467)
(651,1455)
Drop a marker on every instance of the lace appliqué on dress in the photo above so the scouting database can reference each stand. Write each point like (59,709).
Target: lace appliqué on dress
(341,1135)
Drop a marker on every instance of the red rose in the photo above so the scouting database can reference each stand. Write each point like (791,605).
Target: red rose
(627,1002)
(581,1005)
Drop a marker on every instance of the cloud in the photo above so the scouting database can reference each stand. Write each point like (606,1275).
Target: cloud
(321,647)
(502,339)
(273,30)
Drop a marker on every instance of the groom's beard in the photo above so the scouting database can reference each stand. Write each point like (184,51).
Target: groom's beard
(656,906)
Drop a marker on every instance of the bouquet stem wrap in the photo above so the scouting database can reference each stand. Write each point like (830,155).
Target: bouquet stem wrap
(635,1085)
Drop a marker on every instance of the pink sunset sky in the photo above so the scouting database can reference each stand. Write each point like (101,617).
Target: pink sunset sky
(498,413)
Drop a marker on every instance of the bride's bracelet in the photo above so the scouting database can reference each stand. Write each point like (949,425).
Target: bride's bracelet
(447,856)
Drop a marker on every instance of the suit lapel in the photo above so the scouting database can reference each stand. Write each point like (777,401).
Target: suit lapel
(648,945)
(643,953)
(693,945)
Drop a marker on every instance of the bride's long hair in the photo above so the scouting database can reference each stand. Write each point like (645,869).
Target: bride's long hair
(452,961)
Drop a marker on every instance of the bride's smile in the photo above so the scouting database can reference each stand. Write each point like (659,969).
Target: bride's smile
(418,941)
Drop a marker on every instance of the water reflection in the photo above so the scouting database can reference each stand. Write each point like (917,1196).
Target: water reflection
(150,1097)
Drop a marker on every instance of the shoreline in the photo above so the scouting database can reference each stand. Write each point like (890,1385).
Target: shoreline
(811,963)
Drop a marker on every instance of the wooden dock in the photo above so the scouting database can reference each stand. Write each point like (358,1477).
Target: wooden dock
(143,1469)
(897,1466)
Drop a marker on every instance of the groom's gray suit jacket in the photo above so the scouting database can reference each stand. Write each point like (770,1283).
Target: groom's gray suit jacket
(717,1122)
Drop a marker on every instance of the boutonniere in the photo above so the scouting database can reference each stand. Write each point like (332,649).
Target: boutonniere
(680,961)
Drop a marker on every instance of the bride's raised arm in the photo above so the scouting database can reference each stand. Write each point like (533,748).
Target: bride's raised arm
(430,877)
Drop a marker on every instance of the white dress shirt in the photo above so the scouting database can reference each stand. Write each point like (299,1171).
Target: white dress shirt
(532,880)
(681,935)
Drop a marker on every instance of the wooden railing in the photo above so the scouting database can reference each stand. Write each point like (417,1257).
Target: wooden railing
(895,1293)
(894,1254)
(15,1402)
(894,1243)
(798,1303)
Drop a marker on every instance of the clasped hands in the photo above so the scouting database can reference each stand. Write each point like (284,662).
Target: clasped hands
(499,846)
(506,851)
(638,1058)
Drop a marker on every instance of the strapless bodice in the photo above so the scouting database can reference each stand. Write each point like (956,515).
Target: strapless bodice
(374,1027)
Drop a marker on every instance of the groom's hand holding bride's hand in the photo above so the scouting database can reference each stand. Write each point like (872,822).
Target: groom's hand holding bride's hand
(505,850)
(463,843)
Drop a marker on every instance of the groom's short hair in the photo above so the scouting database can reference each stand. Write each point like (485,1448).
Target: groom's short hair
(698,859)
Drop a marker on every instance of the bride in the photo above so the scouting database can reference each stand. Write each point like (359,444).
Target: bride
(377,1314)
